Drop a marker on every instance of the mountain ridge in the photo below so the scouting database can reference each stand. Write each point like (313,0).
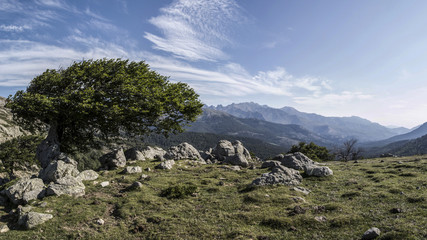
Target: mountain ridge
(331,127)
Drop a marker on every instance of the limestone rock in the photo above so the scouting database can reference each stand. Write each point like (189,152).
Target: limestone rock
(270,164)
(58,169)
(132,170)
(31,219)
(183,151)
(147,153)
(297,161)
(279,175)
(104,184)
(168,164)
(114,159)
(67,185)
(223,150)
(25,190)
(235,153)
(318,171)
(100,221)
(88,175)
(371,233)
(238,159)
(4,228)
(20,171)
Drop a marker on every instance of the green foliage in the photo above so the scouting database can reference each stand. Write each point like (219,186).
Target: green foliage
(313,151)
(178,191)
(106,98)
(19,152)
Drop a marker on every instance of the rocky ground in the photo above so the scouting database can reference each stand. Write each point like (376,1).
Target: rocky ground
(224,193)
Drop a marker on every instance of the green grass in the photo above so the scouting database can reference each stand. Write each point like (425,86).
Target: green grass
(209,202)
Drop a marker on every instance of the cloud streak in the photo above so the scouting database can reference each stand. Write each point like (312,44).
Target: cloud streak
(195,30)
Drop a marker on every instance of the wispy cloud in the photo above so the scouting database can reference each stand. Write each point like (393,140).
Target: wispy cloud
(14,28)
(195,30)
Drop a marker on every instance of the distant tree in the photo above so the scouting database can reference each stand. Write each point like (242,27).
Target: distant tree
(349,151)
(312,151)
(103,98)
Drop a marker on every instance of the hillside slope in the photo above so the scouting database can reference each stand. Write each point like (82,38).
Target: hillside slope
(218,122)
(416,133)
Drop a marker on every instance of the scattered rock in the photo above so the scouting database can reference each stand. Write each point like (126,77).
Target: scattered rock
(132,170)
(4,178)
(371,233)
(302,190)
(320,218)
(318,171)
(100,221)
(31,219)
(144,177)
(147,153)
(297,161)
(279,175)
(25,190)
(297,210)
(104,184)
(4,228)
(58,169)
(167,165)
(67,185)
(88,175)
(135,185)
(396,210)
(184,151)
(113,160)
(298,199)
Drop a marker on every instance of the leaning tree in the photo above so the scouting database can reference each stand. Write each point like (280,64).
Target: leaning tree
(101,98)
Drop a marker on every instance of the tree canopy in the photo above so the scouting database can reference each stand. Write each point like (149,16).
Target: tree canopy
(313,151)
(104,98)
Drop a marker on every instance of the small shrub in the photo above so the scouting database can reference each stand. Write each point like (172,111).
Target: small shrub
(178,191)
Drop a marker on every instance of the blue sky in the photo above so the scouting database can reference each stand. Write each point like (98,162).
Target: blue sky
(335,58)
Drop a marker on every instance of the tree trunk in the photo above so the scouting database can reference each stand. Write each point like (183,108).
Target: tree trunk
(49,150)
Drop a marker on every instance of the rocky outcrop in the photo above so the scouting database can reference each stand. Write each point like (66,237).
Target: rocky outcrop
(270,164)
(167,165)
(297,161)
(183,151)
(147,153)
(59,169)
(232,153)
(113,160)
(279,175)
(67,185)
(25,190)
(9,129)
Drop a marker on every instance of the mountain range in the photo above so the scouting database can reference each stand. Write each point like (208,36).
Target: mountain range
(336,128)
